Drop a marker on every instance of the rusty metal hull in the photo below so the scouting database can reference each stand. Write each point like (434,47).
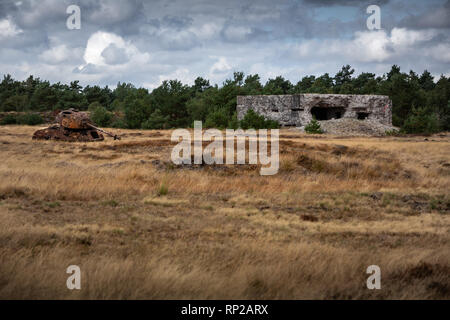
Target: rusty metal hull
(57,132)
(73,125)
(73,119)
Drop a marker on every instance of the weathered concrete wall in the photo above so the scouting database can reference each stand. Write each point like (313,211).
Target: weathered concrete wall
(295,110)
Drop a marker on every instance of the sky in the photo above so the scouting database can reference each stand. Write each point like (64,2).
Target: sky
(147,42)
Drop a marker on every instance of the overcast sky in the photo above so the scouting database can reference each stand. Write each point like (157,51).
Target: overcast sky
(146,42)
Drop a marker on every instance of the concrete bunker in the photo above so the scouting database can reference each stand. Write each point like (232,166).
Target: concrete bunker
(299,109)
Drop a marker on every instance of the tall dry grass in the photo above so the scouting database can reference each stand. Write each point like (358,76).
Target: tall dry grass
(336,206)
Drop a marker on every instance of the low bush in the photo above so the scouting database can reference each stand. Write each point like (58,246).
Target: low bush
(256,121)
(8,119)
(313,127)
(30,119)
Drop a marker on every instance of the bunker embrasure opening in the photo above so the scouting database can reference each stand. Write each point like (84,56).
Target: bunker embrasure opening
(327,113)
(362,115)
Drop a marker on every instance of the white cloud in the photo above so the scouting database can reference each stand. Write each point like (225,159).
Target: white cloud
(402,37)
(97,43)
(370,46)
(221,66)
(60,53)
(367,46)
(8,29)
(95,54)
(180,74)
(440,52)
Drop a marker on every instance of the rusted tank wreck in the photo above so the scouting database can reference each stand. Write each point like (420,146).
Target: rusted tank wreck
(73,125)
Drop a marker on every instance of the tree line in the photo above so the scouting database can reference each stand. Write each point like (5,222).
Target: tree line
(420,104)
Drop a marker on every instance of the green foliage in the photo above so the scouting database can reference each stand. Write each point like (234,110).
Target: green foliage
(256,121)
(174,104)
(323,84)
(70,97)
(30,119)
(252,120)
(405,92)
(392,132)
(252,85)
(426,81)
(343,80)
(162,190)
(95,94)
(202,104)
(421,121)
(99,115)
(217,119)
(313,127)
(305,84)
(156,121)
(271,124)
(234,122)
(200,85)
(16,103)
(8,119)
(45,97)
(118,123)
(137,110)
(444,116)
(279,85)
(171,98)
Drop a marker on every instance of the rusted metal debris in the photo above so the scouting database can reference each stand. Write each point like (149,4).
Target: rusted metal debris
(72,125)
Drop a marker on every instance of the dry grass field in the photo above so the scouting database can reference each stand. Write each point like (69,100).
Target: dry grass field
(140,227)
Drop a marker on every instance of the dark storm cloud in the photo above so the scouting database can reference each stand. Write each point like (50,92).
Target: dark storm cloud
(27,41)
(38,14)
(6,7)
(112,12)
(149,41)
(128,18)
(50,15)
(327,3)
(115,55)
(121,17)
(177,23)
(436,17)
(182,40)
